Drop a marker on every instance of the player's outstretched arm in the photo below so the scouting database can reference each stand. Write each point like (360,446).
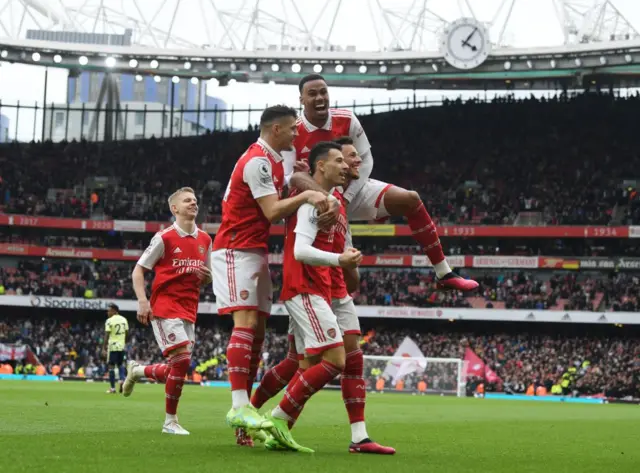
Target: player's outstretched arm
(275,209)
(304,182)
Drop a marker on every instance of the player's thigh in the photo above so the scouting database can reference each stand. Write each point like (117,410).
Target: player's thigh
(296,338)
(368,203)
(315,322)
(236,274)
(265,292)
(116,358)
(170,335)
(345,311)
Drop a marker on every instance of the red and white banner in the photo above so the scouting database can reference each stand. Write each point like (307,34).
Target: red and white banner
(12,352)
(475,366)
(477,231)
(528,262)
(398,369)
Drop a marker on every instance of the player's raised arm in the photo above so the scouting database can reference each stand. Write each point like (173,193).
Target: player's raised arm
(362,145)
(147,261)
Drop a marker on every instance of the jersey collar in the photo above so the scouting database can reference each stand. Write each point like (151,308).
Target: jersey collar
(183,234)
(311,127)
(276,156)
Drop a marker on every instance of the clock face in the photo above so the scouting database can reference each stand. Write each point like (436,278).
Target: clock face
(466,44)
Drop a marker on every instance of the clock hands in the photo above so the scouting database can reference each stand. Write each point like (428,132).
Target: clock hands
(466,43)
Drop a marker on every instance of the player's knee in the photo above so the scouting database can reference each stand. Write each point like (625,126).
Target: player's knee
(351,342)
(246,319)
(412,199)
(335,356)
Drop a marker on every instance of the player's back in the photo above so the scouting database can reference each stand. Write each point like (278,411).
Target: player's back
(244,225)
(300,278)
(339,124)
(117,327)
(176,287)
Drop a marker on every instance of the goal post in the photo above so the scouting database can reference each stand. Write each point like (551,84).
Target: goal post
(415,375)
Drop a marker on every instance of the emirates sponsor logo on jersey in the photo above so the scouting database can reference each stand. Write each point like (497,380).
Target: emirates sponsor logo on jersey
(69,253)
(186,265)
(390,260)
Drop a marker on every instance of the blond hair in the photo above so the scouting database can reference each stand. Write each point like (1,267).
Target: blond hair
(175,195)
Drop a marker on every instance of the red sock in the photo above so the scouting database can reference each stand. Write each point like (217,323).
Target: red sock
(353,387)
(157,372)
(173,387)
(424,231)
(239,357)
(309,382)
(256,354)
(275,380)
(293,381)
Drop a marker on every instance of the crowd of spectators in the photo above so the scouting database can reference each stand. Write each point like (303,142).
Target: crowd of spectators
(607,365)
(500,289)
(480,162)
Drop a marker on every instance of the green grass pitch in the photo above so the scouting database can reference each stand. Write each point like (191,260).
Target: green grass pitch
(76,427)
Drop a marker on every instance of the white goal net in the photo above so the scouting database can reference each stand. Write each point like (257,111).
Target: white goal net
(415,375)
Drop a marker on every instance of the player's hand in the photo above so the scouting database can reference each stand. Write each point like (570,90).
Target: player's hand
(144,312)
(319,201)
(351,258)
(301,166)
(204,274)
(105,353)
(329,218)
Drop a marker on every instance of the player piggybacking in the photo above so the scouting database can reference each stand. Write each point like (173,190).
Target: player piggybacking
(180,256)
(242,283)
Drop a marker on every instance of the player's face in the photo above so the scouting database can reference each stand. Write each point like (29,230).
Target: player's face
(285,131)
(186,205)
(353,160)
(335,168)
(315,100)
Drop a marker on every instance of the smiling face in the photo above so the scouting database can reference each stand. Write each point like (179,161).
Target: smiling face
(353,160)
(334,169)
(315,100)
(185,204)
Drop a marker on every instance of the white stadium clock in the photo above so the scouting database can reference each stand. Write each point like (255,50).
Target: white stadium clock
(465,43)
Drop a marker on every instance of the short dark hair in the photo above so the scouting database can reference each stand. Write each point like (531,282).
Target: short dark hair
(344,140)
(276,112)
(114,307)
(320,152)
(309,78)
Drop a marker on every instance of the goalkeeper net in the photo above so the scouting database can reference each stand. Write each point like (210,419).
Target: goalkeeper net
(416,375)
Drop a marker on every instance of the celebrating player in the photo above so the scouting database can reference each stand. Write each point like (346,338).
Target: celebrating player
(306,292)
(240,254)
(343,282)
(180,255)
(116,328)
(368,199)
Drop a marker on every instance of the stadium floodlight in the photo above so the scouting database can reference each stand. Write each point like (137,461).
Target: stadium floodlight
(296,68)
(317,68)
(552,63)
(157,78)
(603,60)
(253,67)
(529,64)
(628,58)
(507,65)
(154,64)
(57,59)
(138,78)
(434,66)
(339,68)
(362,69)
(275,67)
(83,60)
(209,65)
(194,80)
(133,63)
(35,56)
(407,68)
(175,79)
(187,65)
(383,69)
(578,62)
(110,61)
(4,53)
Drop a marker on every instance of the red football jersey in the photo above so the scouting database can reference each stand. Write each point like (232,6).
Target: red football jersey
(300,278)
(259,172)
(338,125)
(338,286)
(174,256)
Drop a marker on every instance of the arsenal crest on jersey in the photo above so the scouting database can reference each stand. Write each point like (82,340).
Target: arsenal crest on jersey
(201,249)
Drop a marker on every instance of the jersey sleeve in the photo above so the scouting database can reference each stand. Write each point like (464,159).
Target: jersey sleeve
(288,161)
(126,324)
(258,176)
(348,239)
(207,259)
(359,137)
(153,253)
(107,326)
(307,224)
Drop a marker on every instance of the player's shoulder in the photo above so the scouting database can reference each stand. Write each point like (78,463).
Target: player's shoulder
(204,236)
(341,113)
(165,233)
